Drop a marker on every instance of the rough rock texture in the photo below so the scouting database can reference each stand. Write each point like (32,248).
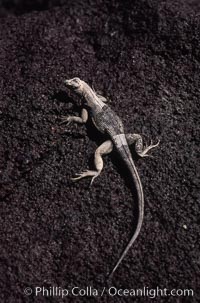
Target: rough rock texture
(144,56)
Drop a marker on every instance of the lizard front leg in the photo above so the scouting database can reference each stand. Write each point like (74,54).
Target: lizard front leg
(139,147)
(103,149)
(83,119)
(98,94)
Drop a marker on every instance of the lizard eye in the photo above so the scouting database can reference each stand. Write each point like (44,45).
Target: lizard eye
(77,80)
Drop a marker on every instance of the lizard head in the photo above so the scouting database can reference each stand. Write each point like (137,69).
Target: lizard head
(74,84)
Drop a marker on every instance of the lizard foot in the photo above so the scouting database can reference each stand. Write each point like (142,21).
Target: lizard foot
(66,119)
(147,148)
(87,173)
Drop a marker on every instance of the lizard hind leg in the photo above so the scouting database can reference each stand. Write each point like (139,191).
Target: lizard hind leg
(103,149)
(139,147)
(147,148)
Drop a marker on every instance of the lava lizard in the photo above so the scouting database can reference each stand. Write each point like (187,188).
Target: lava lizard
(108,122)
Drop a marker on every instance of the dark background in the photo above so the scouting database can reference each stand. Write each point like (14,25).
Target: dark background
(144,56)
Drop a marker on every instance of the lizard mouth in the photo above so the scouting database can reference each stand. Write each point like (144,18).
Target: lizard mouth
(68,82)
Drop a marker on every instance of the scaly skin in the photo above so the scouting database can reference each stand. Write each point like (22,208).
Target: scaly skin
(107,121)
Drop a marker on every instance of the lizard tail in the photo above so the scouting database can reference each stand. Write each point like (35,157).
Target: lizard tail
(138,185)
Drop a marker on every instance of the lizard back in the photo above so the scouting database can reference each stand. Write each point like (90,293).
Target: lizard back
(107,121)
